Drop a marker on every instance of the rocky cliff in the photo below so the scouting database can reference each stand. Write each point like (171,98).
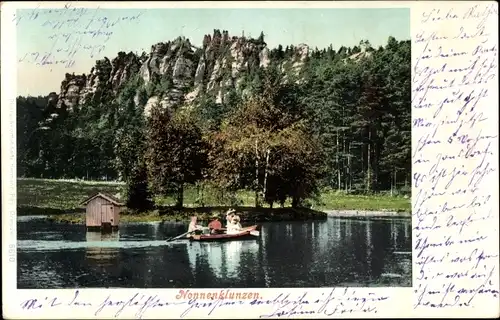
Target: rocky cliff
(177,71)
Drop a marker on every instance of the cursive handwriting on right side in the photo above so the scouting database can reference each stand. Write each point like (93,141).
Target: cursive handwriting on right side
(454,157)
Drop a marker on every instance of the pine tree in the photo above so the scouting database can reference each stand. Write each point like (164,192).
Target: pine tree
(356,110)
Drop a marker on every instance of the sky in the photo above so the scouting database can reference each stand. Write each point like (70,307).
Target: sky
(72,40)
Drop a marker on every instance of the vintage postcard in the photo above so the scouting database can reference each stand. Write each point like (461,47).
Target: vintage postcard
(249,159)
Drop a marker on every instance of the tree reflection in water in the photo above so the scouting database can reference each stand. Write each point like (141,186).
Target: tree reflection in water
(335,252)
(223,259)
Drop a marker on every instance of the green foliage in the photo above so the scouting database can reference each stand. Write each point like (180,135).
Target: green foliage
(129,146)
(158,86)
(263,146)
(129,151)
(343,122)
(30,113)
(138,194)
(360,110)
(175,154)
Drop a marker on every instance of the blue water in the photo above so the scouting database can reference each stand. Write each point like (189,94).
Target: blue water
(335,252)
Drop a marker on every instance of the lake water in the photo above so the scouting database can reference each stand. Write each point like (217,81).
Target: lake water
(334,252)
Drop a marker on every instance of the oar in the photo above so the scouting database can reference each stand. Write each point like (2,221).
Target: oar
(182,235)
(179,236)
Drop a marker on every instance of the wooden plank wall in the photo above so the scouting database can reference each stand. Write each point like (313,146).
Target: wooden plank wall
(94,209)
(93,212)
(107,212)
(117,216)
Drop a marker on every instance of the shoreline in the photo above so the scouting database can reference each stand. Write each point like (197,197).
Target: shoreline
(366,214)
(249,216)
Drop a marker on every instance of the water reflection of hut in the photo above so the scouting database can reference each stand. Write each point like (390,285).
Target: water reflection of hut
(102,237)
(100,249)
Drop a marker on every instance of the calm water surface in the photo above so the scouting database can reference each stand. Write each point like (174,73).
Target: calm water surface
(335,252)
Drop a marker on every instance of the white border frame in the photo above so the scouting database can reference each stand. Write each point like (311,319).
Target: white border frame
(392,302)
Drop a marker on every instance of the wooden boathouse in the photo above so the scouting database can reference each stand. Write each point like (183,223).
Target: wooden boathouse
(102,212)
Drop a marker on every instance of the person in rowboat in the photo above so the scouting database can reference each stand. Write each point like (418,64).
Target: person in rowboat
(229,216)
(193,227)
(215,226)
(234,226)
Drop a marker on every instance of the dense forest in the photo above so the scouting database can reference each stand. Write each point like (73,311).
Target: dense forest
(342,123)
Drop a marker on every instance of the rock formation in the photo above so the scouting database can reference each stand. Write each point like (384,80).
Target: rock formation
(179,70)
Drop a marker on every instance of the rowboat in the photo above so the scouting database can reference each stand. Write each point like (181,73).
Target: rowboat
(248,233)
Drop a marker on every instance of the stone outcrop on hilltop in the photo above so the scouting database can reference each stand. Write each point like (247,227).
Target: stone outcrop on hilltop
(219,64)
(105,76)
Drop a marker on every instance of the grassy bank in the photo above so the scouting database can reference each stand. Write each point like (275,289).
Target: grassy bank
(334,200)
(60,200)
(248,215)
(44,196)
